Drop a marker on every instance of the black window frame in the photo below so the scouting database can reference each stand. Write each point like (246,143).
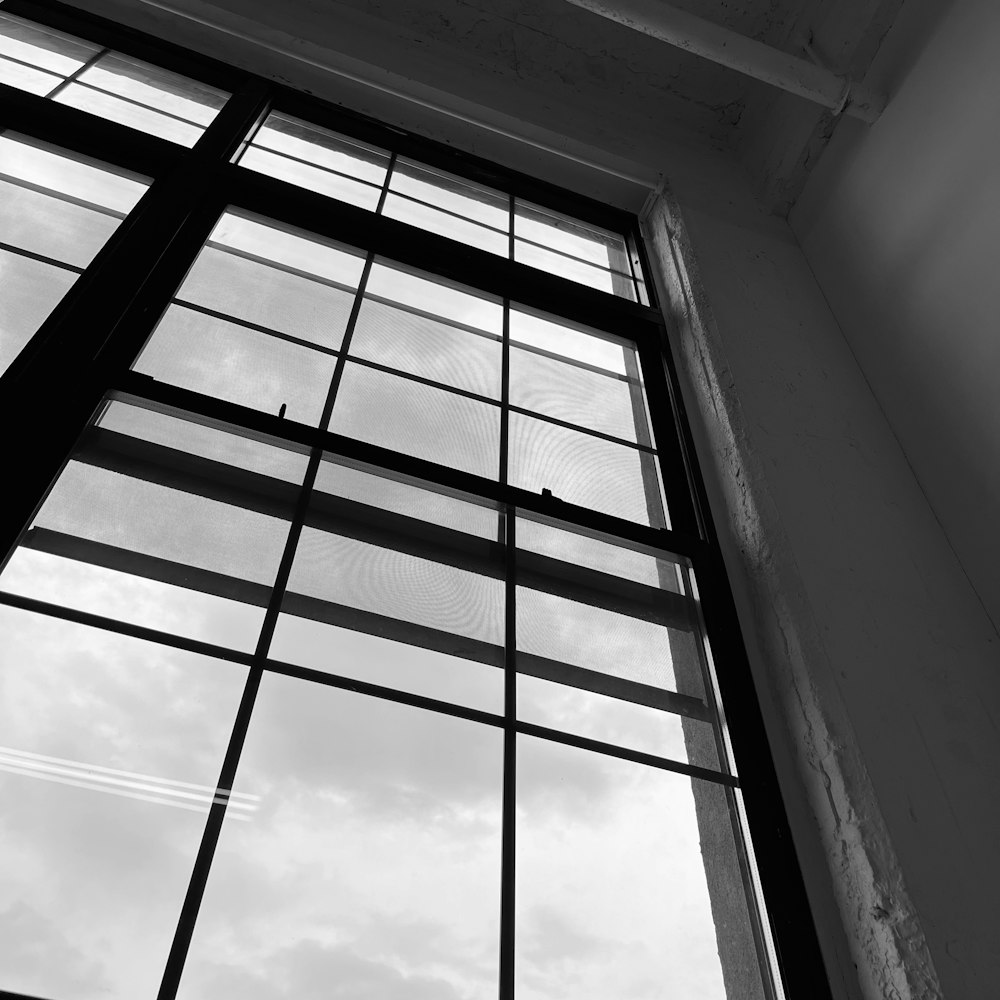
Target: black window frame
(83,352)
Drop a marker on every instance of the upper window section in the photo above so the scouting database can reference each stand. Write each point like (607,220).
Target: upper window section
(57,210)
(105,83)
(438,202)
(321,161)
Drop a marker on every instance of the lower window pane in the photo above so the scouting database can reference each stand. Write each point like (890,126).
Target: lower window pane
(31,290)
(628,883)
(112,748)
(372,866)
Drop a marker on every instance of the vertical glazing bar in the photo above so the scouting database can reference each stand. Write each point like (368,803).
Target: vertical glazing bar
(213,827)
(507,862)
(384,193)
(76,73)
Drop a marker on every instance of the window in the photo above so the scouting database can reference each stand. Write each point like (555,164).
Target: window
(358,623)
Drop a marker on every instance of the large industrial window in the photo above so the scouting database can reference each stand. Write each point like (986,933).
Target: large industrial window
(361,634)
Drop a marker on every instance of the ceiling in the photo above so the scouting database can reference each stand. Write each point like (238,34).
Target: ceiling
(560,77)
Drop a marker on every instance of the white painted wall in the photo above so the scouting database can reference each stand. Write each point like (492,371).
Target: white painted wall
(901,224)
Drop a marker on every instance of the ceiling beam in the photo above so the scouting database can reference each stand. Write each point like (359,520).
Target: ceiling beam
(729,48)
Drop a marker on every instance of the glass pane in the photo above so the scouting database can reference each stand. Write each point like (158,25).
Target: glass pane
(467,233)
(559,232)
(579,396)
(87,181)
(112,748)
(156,88)
(319,160)
(372,866)
(123,112)
(157,536)
(452,194)
(574,270)
(263,293)
(558,337)
(428,347)
(49,226)
(30,292)
(210,442)
(586,470)
(434,296)
(621,723)
(367,486)
(418,420)
(572,548)
(43,47)
(312,178)
(58,207)
(427,594)
(230,362)
(638,655)
(621,869)
(35,81)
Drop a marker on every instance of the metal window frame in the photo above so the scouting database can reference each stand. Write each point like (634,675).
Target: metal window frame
(84,349)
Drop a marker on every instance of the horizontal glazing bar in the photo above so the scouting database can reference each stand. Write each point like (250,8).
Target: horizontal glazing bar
(144,391)
(425,314)
(138,104)
(307,163)
(30,65)
(256,327)
(41,258)
(572,256)
(281,266)
(611,750)
(124,628)
(447,211)
(62,196)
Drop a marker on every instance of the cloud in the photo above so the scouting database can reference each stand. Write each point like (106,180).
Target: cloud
(314,971)
(38,958)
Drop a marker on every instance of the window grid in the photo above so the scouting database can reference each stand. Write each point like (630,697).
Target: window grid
(510,503)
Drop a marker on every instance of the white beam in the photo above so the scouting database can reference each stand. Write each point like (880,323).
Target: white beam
(729,48)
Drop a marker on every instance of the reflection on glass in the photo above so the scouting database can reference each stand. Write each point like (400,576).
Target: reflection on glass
(620,871)
(317,159)
(56,212)
(145,530)
(372,866)
(111,750)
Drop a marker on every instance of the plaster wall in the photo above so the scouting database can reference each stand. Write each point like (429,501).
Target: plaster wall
(900,223)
